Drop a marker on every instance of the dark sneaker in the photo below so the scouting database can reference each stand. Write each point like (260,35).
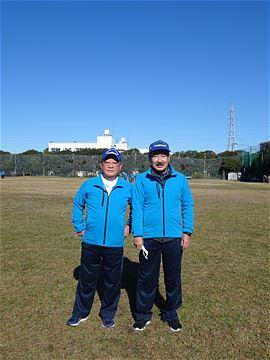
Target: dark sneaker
(75,320)
(140,325)
(108,323)
(174,325)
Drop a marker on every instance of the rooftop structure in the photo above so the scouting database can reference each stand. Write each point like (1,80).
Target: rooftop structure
(104,141)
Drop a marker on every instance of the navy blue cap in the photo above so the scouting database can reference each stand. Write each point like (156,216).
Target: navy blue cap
(159,145)
(112,152)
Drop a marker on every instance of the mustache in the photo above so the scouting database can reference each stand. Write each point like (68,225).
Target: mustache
(159,163)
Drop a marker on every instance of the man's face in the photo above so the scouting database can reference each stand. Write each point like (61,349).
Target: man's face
(111,168)
(160,161)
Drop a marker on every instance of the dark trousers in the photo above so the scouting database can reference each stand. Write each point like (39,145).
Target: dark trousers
(108,261)
(148,277)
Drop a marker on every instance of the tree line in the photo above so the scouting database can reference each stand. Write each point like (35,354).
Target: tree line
(192,163)
(209,154)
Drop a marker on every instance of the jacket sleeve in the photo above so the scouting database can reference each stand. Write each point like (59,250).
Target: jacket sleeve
(137,208)
(79,202)
(187,208)
(129,218)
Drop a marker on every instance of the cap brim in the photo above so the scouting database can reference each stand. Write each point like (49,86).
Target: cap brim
(160,150)
(111,156)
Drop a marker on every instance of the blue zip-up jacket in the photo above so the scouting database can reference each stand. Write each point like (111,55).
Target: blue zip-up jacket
(104,219)
(161,212)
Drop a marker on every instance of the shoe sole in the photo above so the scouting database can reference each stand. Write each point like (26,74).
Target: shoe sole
(147,323)
(108,327)
(175,330)
(81,320)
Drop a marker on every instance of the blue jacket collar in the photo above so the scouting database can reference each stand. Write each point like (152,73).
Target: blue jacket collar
(173,171)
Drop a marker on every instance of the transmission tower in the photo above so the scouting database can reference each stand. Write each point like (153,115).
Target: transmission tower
(232,137)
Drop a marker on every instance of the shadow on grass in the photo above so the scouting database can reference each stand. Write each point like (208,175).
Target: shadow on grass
(128,282)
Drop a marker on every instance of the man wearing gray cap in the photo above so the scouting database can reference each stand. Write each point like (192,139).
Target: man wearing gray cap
(99,218)
(162,223)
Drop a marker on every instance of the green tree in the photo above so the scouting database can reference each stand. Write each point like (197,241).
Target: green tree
(228,153)
(209,154)
(265,158)
(131,151)
(229,164)
(31,152)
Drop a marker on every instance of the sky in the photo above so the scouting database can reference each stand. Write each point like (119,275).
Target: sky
(146,70)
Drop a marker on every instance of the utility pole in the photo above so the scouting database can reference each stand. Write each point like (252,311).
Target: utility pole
(73,163)
(232,137)
(43,164)
(15,165)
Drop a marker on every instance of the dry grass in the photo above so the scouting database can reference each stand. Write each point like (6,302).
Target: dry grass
(225,274)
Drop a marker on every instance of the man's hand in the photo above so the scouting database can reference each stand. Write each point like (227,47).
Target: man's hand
(81,233)
(138,242)
(185,241)
(127,230)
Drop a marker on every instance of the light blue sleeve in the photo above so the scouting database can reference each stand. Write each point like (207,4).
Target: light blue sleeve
(187,208)
(129,218)
(79,202)
(137,208)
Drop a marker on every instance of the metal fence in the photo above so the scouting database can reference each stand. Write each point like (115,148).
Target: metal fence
(88,165)
(256,162)
(253,161)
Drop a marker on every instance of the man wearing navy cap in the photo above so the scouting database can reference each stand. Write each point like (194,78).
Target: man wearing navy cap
(162,223)
(99,218)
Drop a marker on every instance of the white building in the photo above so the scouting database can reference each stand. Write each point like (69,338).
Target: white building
(103,142)
(122,144)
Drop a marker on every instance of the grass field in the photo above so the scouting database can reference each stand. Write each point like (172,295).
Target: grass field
(225,279)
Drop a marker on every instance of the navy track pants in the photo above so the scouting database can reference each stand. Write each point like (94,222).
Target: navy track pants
(148,277)
(108,261)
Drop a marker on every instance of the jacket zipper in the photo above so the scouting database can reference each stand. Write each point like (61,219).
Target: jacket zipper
(163,211)
(106,216)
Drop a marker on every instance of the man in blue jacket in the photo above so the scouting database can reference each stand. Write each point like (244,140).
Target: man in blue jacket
(99,217)
(162,224)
